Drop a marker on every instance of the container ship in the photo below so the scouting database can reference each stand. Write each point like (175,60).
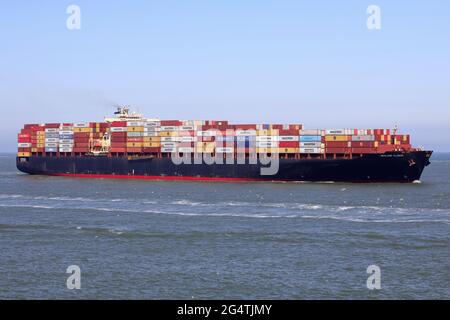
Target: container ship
(128,145)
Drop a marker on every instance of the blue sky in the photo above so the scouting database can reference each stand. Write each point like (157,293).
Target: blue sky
(279,61)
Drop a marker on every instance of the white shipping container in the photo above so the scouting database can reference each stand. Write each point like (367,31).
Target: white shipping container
(362,132)
(65,132)
(188,123)
(168,144)
(66,141)
(310,132)
(310,144)
(51,145)
(225,150)
(65,149)
(118,129)
(64,128)
(135,124)
(187,139)
(288,138)
(65,145)
(186,149)
(245,132)
(311,150)
(170,139)
(335,131)
(363,138)
(267,144)
(51,140)
(169,128)
(24,145)
(266,138)
(51,130)
(152,129)
(209,133)
(81,125)
(152,124)
(186,128)
(167,149)
(150,134)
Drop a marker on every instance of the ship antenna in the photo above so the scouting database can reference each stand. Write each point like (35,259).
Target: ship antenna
(395,129)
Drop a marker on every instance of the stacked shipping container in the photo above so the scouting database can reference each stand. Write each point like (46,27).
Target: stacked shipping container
(152,136)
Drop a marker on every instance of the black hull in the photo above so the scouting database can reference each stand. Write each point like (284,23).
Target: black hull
(392,167)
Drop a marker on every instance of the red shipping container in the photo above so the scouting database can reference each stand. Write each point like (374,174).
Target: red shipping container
(186,133)
(336,144)
(30,126)
(119,124)
(288,144)
(52,125)
(81,135)
(24,140)
(118,144)
(81,140)
(81,144)
(363,144)
(385,148)
(118,149)
(290,132)
(171,123)
(80,149)
(135,139)
(208,127)
(245,126)
(25,131)
(134,150)
(118,134)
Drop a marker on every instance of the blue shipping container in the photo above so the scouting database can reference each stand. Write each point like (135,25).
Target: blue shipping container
(310,138)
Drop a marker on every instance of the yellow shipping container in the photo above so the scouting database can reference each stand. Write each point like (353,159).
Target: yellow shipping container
(151,144)
(206,144)
(336,138)
(288,150)
(376,144)
(271,132)
(134,144)
(85,130)
(266,150)
(23,154)
(165,133)
(152,139)
(135,129)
